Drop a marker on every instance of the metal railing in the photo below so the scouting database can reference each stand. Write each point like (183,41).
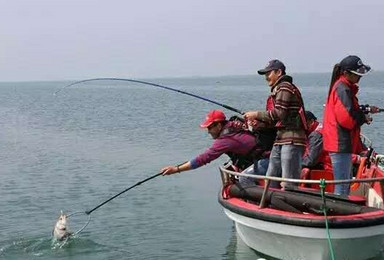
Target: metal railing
(226,179)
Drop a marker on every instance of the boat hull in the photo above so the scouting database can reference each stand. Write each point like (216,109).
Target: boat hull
(299,242)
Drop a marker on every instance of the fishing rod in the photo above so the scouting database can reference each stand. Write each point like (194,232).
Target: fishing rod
(88,212)
(154,85)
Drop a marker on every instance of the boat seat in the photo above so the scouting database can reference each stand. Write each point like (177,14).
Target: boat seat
(317,175)
(361,200)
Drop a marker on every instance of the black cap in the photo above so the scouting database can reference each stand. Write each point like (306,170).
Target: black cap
(354,65)
(310,116)
(272,65)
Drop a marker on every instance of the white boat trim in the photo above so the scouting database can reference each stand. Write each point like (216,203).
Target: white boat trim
(297,242)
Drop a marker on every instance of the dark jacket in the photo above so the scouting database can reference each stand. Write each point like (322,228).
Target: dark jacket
(315,157)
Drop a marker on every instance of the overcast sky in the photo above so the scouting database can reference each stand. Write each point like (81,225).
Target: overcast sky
(77,39)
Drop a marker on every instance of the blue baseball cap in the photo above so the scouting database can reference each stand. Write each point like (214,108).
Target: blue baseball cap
(272,65)
(353,64)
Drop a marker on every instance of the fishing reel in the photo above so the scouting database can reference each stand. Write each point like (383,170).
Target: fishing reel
(370,109)
(365,108)
(237,118)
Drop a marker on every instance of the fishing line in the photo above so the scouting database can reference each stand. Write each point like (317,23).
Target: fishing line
(88,212)
(85,225)
(154,85)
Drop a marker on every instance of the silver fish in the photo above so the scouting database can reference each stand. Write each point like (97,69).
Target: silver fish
(61,230)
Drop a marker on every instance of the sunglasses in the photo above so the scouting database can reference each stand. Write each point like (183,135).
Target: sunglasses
(212,125)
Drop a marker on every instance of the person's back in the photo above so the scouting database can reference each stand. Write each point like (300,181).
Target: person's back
(342,119)
(315,157)
(239,144)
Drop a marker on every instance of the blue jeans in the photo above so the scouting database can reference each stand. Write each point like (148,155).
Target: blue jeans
(285,161)
(258,168)
(342,170)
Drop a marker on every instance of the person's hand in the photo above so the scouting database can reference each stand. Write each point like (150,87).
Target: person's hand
(374,109)
(169,170)
(304,173)
(239,125)
(358,159)
(253,123)
(251,115)
(368,119)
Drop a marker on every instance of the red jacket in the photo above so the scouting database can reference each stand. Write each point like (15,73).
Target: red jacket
(342,119)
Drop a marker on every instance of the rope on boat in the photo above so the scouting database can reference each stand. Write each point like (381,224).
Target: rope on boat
(322,188)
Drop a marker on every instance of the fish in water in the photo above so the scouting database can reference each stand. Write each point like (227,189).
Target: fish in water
(61,230)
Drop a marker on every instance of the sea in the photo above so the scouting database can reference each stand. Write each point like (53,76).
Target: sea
(71,148)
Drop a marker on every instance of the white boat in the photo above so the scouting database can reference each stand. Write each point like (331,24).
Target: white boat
(292,225)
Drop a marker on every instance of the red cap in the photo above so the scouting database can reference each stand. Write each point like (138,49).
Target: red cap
(213,116)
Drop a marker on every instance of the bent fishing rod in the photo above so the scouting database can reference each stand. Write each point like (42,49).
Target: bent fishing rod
(154,85)
(88,212)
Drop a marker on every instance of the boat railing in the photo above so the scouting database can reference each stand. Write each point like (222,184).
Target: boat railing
(226,179)
(271,178)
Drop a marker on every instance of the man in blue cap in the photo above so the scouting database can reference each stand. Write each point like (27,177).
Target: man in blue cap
(287,116)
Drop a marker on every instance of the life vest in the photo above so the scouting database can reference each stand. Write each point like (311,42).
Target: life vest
(270,103)
(295,119)
(263,144)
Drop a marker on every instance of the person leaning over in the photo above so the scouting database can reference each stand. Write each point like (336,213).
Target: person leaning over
(343,118)
(287,115)
(230,137)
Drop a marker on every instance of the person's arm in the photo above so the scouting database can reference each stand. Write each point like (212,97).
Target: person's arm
(168,170)
(356,159)
(346,114)
(278,112)
(315,148)
(218,147)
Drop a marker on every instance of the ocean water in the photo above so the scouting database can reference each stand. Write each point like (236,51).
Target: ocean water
(73,150)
